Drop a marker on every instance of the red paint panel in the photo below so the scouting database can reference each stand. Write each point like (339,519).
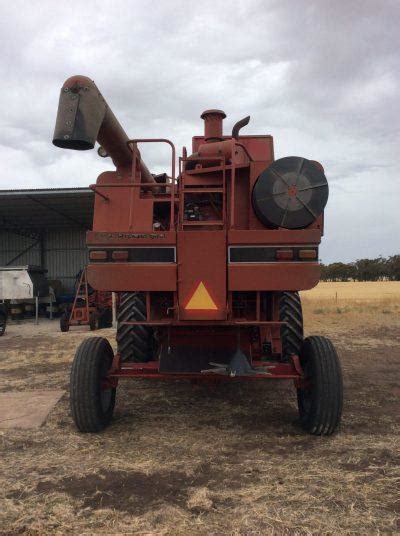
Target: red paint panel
(130,238)
(202,258)
(261,148)
(274,276)
(123,207)
(127,277)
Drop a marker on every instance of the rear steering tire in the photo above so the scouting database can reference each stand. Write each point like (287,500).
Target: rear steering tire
(94,321)
(92,401)
(64,322)
(320,398)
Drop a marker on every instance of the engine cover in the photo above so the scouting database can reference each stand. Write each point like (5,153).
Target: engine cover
(291,193)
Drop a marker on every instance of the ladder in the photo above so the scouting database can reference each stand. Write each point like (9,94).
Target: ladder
(81,315)
(196,182)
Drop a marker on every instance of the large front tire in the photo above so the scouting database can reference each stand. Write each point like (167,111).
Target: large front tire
(290,311)
(92,401)
(135,342)
(320,398)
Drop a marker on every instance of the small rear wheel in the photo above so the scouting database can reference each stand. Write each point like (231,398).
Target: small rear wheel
(94,321)
(64,322)
(92,398)
(320,398)
(3,323)
(105,320)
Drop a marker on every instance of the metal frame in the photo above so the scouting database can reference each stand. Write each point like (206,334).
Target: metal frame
(274,370)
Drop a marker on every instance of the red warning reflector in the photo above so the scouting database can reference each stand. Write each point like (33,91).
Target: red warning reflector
(120,255)
(307,254)
(201,300)
(284,254)
(98,255)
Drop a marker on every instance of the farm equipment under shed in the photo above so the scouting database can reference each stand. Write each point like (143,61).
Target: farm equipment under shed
(3,318)
(207,262)
(90,307)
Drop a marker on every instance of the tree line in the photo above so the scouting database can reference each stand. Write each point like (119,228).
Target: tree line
(380,269)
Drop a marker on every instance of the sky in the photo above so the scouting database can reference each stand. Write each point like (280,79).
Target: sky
(322,77)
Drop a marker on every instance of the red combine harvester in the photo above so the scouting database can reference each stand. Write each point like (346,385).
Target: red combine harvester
(207,262)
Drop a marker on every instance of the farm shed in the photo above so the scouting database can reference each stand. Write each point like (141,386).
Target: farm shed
(46,228)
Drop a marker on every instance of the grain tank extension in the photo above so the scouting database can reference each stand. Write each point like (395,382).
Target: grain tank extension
(208,259)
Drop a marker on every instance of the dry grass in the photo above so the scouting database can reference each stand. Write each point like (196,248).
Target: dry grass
(179,460)
(347,310)
(369,291)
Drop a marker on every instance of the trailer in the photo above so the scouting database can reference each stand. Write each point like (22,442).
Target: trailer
(208,260)
(22,287)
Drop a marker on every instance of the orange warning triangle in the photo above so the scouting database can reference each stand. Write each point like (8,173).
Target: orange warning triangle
(201,300)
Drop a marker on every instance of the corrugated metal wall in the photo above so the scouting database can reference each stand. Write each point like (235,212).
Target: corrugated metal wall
(12,244)
(64,253)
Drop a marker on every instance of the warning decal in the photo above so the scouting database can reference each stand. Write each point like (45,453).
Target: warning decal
(201,300)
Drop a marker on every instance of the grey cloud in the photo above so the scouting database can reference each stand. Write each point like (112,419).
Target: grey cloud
(322,77)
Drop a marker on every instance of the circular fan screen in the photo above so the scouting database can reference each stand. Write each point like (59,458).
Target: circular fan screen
(291,193)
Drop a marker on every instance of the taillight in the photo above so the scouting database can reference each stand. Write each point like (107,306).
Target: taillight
(308,254)
(284,254)
(98,255)
(120,255)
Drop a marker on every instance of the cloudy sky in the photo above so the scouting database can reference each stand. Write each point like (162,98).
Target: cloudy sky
(322,77)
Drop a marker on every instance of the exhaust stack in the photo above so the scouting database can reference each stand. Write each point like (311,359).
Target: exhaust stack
(84,117)
(213,124)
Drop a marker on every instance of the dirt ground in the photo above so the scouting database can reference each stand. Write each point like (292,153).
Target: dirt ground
(231,460)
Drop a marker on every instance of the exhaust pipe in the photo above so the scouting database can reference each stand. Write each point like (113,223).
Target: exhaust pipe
(84,117)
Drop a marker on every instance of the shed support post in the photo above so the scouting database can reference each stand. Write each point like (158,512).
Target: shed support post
(114,309)
(42,248)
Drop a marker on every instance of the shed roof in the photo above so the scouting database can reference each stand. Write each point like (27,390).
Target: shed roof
(52,208)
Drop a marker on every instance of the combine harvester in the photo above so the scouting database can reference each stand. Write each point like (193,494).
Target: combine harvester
(207,263)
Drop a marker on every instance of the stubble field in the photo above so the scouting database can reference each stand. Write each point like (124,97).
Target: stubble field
(231,460)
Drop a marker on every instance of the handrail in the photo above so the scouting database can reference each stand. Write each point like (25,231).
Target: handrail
(134,143)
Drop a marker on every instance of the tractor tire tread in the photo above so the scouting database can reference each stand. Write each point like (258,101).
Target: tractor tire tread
(134,341)
(292,333)
(85,401)
(325,414)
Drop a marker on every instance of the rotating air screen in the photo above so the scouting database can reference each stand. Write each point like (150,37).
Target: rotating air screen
(291,193)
